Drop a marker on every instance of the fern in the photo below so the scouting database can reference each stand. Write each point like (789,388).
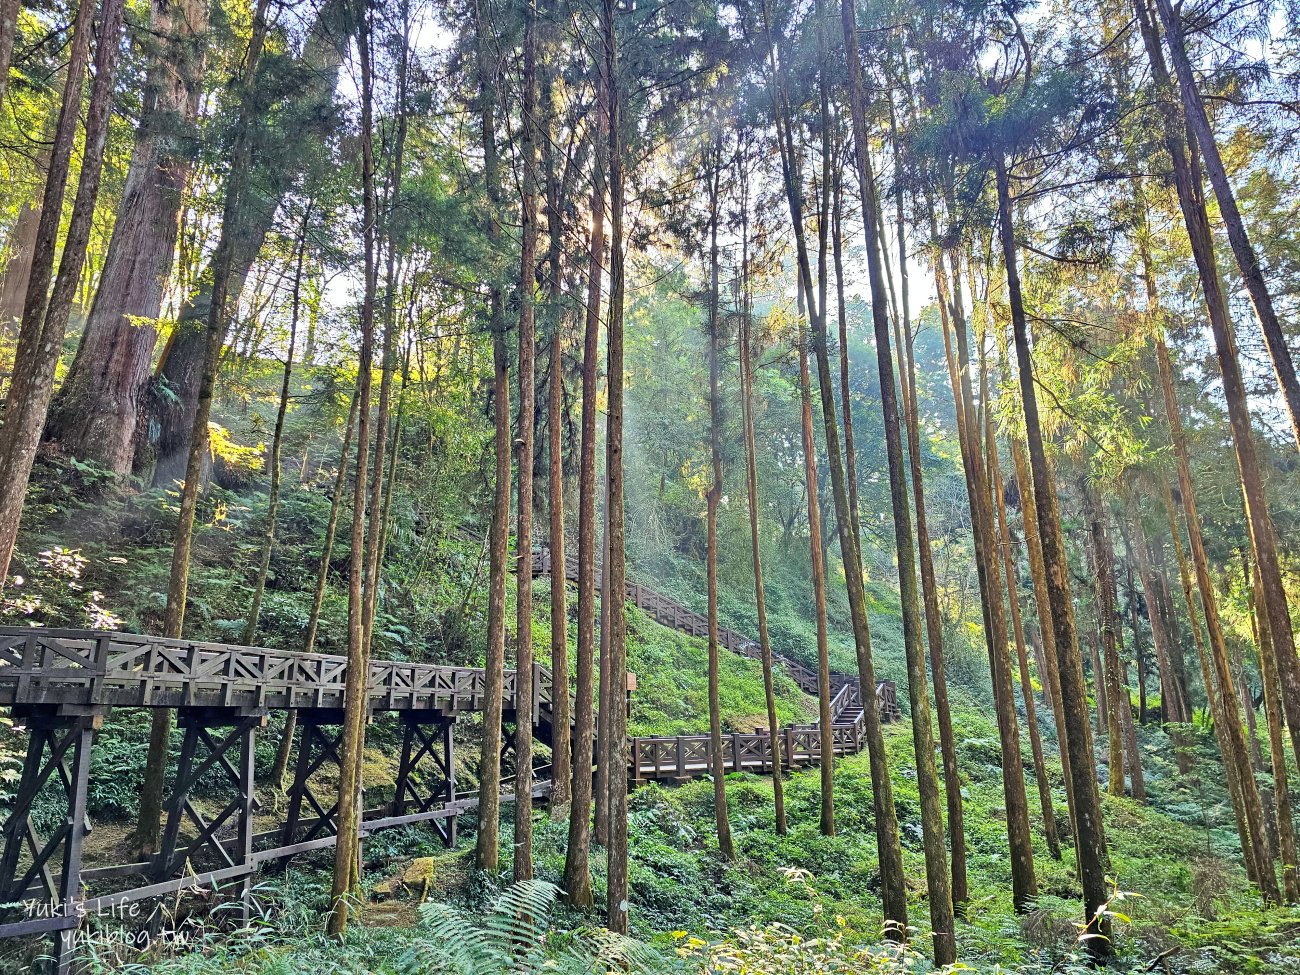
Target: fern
(513,940)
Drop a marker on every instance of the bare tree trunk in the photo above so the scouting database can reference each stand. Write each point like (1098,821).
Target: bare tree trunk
(561,739)
(577,870)
(716,761)
(356,692)
(1038,575)
(893,889)
(94,414)
(615,567)
(1090,844)
(46,310)
(21,248)
(1103,563)
(747,353)
(1182,147)
(169,419)
(8,29)
(273,498)
(1018,630)
(1248,262)
(523,853)
(318,597)
(487,850)
(936,858)
(979,488)
(1277,756)
(1232,741)
(947,739)
(147,833)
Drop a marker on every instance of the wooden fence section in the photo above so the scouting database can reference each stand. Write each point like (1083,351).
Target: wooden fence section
(93,668)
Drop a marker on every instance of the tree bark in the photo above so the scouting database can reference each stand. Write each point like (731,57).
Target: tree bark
(46,310)
(1277,756)
(147,833)
(1181,144)
(713,498)
(277,437)
(318,597)
(1018,630)
(615,568)
(1051,669)
(747,353)
(1090,844)
(561,737)
(169,418)
(1104,566)
(1248,262)
(936,859)
(356,697)
(8,30)
(893,890)
(577,870)
(523,852)
(94,414)
(487,848)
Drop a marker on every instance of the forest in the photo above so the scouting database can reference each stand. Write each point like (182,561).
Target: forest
(760,486)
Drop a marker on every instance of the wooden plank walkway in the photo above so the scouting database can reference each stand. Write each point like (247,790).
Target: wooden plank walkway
(60,683)
(684,757)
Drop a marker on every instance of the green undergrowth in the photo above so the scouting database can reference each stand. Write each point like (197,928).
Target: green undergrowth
(1173,901)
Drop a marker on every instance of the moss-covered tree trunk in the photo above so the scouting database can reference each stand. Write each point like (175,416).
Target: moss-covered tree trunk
(577,869)
(1090,844)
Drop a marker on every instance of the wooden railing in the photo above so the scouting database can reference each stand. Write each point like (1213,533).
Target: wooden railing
(88,668)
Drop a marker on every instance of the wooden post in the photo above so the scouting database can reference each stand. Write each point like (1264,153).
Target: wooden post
(449,767)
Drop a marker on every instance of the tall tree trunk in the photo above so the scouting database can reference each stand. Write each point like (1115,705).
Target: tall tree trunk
(577,870)
(20,249)
(561,739)
(714,497)
(1181,144)
(936,858)
(147,833)
(1003,543)
(523,853)
(8,30)
(1277,755)
(1090,844)
(487,849)
(170,417)
(1248,262)
(356,694)
(46,310)
(94,414)
(1104,565)
(947,738)
(1172,702)
(617,884)
(818,566)
(322,582)
(1038,576)
(1232,741)
(277,437)
(747,354)
(893,889)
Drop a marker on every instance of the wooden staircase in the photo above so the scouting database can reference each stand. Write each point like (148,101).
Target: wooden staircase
(683,757)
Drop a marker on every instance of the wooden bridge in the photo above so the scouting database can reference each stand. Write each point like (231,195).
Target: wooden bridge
(59,684)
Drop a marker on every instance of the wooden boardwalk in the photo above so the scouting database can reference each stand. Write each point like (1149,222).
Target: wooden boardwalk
(59,684)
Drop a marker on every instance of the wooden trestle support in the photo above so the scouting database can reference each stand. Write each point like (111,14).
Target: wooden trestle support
(59,685)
